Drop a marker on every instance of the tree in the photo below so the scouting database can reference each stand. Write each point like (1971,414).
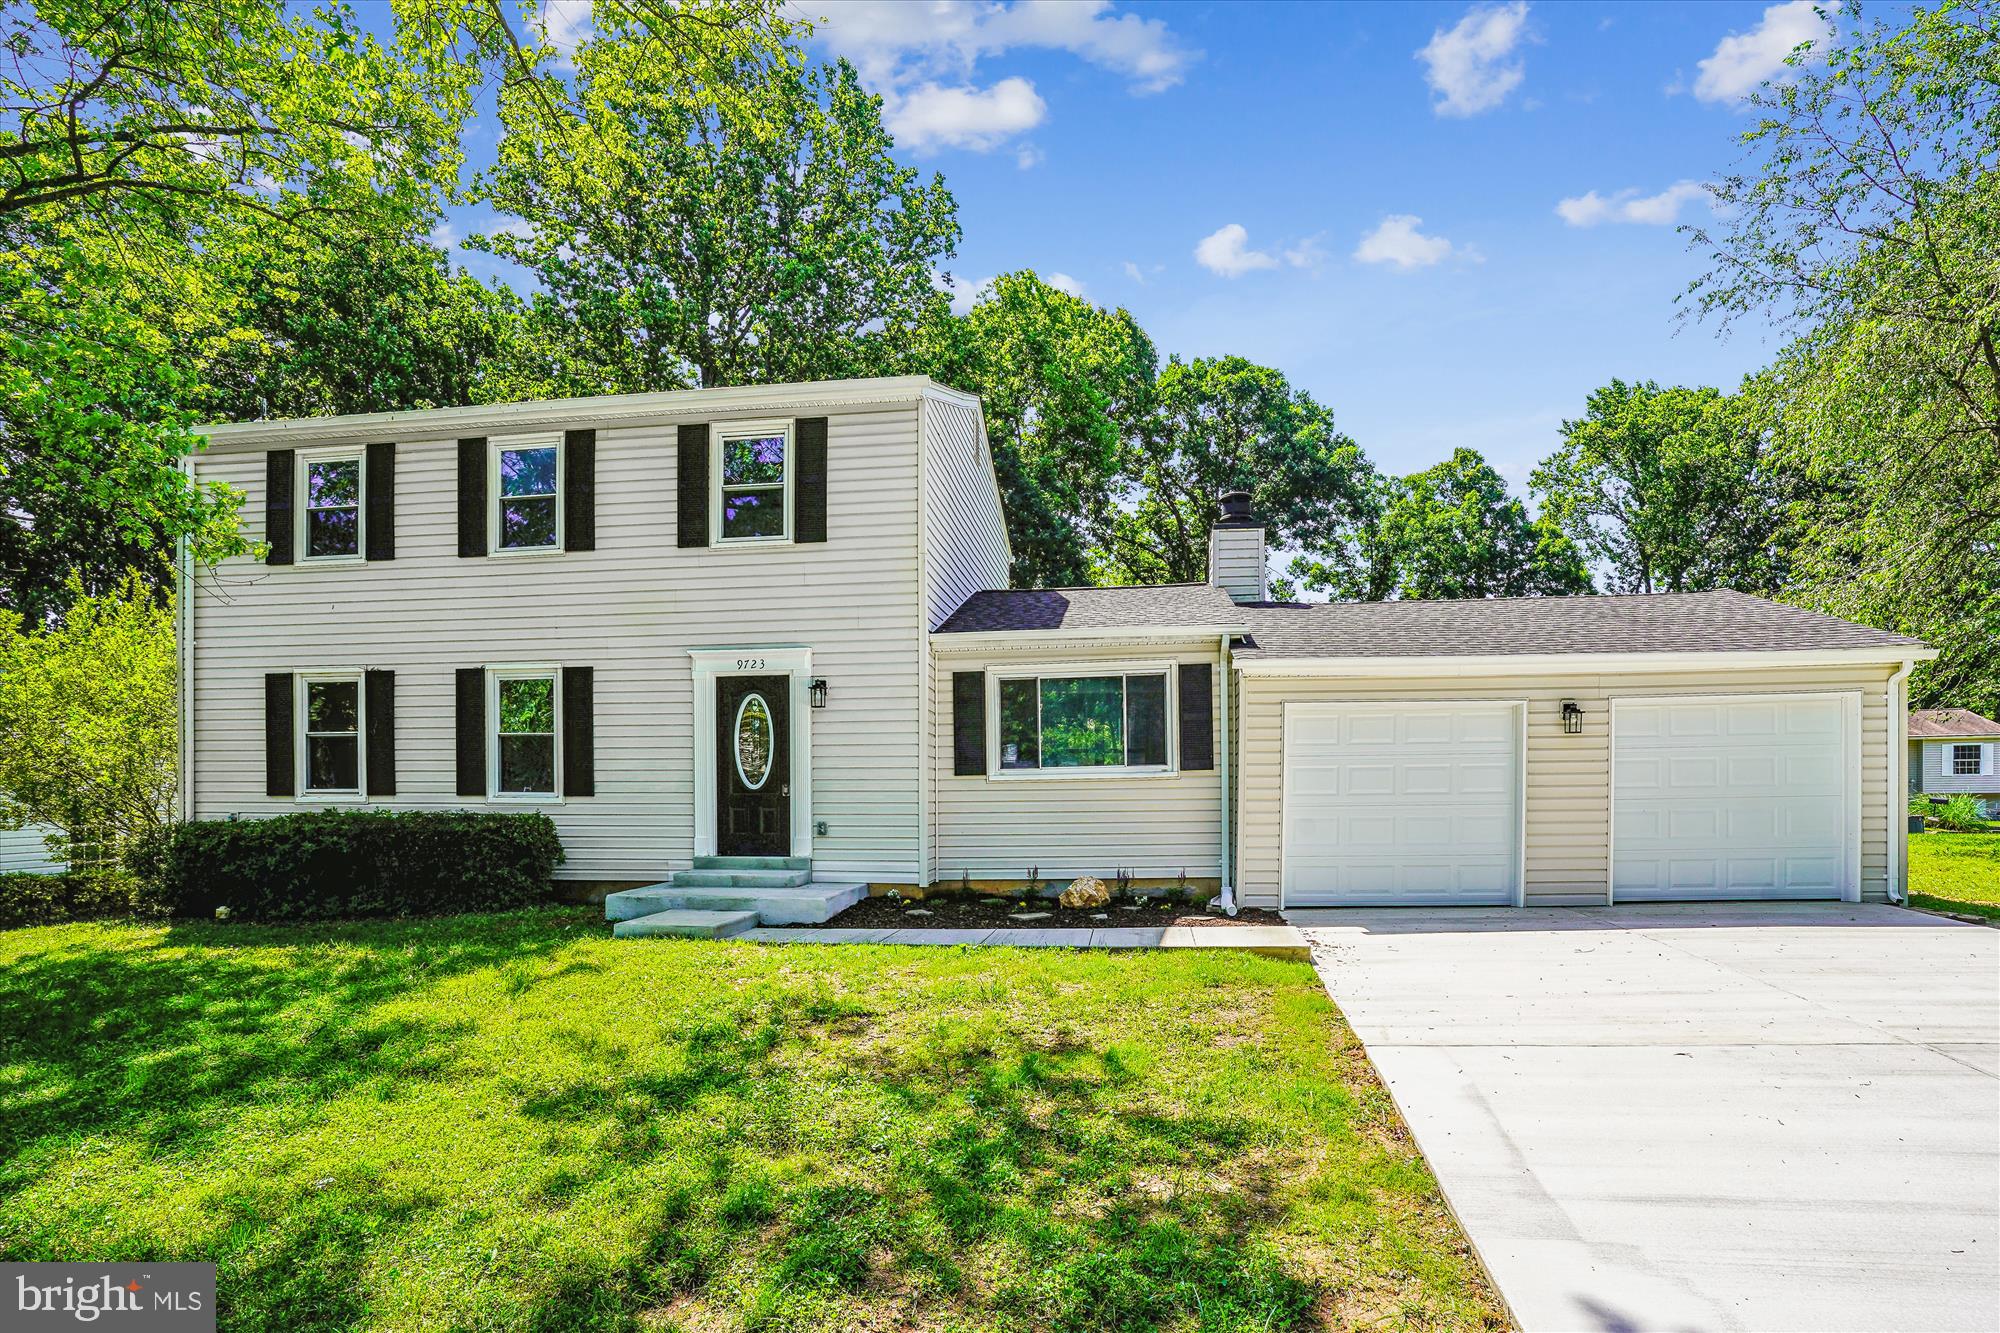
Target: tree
(1066,385)
(1662,488)
(1449,531)
(88,710)
(1868,226)
(685,237)
(1228,424)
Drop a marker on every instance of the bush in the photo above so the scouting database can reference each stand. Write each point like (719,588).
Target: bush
(49,900)
(335,863)
(1960,814)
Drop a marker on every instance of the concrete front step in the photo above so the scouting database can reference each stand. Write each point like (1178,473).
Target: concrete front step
(821,900)
(741,879)
(698,925)
(753,863)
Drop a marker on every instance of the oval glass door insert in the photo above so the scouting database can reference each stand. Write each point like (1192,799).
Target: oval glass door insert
(753,741)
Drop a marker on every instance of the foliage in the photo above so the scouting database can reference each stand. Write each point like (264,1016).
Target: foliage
(1226,424)
(1662,489)
(1959,814)
(337,863)
(48,900)
(1957,872)
(683,237)
(88,710)
(517,1123)
(1868,224)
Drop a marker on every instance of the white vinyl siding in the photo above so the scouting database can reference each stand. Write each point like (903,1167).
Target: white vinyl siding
(1939,780)
(1154,826)
(1236,563)
(23,851)
(1567,778)
(966,535)
(631,609)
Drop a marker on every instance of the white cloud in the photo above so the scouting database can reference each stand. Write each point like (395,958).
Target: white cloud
(1134,272)
(1467,64)
(1227,251)
(1028,156)
(1742,61)
(445,235)
(965,293)
(931,116)
(565,26)
(1063,282)
(1308,253)
(1653,210)
(1397,241)
(897,42)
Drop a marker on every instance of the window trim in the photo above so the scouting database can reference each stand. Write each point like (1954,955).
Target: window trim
(494,675)
(1169,668)
(719,434)
(302,508)
(1978,769)
(302,733)
(497,445)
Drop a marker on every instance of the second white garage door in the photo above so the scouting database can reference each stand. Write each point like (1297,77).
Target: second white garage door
(1401,804)
(1735,798)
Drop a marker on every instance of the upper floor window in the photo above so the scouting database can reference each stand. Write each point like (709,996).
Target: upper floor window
(330,518)
(1112,722)
(330,741)
(1965,761)
(753,484)
(527,497)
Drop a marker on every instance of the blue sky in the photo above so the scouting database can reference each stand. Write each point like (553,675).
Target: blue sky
(1447,222)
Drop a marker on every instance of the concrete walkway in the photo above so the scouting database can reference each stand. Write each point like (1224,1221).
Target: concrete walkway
(1780,1116)
(1271,941)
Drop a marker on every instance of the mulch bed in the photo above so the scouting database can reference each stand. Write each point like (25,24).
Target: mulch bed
(885,913)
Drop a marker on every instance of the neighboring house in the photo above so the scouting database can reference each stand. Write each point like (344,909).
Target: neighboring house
(773,622)
(27,850)
(1954,750)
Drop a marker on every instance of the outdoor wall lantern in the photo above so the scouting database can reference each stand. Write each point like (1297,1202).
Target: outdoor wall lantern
(1572,718)
(817,691)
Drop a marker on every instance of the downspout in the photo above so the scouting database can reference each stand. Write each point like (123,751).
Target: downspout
(1227,898)
(184,677)
(1899,782)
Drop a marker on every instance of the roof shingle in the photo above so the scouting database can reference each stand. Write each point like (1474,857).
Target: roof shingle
(1161,606)
(1950,723)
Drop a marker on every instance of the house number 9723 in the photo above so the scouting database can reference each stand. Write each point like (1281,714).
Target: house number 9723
(749,664)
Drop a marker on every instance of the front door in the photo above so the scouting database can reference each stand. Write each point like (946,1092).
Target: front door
(753,763)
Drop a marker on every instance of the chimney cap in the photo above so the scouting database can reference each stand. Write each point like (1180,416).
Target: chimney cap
(1236,511)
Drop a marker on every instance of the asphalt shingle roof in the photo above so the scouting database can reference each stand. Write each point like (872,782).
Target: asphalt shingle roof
(1162,606)
(1655,623)
(1948,723)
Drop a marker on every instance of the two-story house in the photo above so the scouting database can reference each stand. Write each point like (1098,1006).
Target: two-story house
(775,622)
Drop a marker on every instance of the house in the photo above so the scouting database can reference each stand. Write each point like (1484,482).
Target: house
(773,622)
(1954,750)
(26,851)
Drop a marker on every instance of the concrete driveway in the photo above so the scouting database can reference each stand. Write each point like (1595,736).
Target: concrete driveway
(1781,1116)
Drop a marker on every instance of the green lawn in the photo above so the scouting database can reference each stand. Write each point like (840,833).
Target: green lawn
(514,1122)
(1956,872)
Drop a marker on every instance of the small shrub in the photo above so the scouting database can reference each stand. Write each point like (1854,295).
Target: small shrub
(322,864)
(1920,805)
(1960,814)
(48,900)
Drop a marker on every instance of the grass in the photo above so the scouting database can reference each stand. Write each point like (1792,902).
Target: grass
(1957,872)
(513,1122)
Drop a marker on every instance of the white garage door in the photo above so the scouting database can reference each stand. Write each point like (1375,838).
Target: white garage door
(1401,805)
(1734,798)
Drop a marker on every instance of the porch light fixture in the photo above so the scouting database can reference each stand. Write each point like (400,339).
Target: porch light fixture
(817,691)
(1572,718)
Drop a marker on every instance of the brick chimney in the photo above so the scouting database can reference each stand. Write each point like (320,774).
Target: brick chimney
(1236,551)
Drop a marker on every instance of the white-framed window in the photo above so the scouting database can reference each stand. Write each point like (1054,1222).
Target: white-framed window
(1099,720)
(1965,760)
(751,497)
(524,733)
(524,495)
(331,711)
(331,484)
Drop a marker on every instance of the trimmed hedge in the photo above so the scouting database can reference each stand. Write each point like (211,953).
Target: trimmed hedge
(324,864)
(50,900)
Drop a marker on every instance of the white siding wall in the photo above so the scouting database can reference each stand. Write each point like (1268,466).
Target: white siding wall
(23,850)
(1568,789)
(630,609)
(966,533)
(1236,559)
(1939,780)
(997,828)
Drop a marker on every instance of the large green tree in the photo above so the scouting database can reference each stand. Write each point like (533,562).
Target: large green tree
(1221,424)
(1661,489)
(687,238)
(1866,224)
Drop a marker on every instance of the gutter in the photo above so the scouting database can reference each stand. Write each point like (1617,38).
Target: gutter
(1228,894)
(1898,840)
(1530,664)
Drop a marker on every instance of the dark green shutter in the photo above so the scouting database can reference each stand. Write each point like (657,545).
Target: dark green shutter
(1197,716)
(472,497)
(279,770)
(580,490)
(968,724)
(379,706)
(691,475)
(378,479)
(471,731)
(579,768)
(279,467)
(809,498)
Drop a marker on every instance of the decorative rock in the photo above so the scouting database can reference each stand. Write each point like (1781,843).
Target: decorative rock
(916,911)
(1085,891)
(1028,916)
(1100,916)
